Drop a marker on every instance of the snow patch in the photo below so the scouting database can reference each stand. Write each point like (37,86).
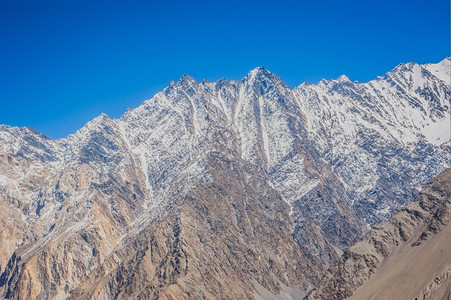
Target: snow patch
(263,130)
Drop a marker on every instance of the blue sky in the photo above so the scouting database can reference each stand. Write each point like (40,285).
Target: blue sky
(63,63)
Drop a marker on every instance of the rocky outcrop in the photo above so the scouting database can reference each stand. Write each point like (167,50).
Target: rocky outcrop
(406,257)
(438,288)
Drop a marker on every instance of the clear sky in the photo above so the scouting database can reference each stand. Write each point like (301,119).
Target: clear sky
(63,63)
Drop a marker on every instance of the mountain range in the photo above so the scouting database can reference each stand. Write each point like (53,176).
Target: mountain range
(209,185)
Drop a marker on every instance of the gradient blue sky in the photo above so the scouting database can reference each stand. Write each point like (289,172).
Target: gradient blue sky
(63,63)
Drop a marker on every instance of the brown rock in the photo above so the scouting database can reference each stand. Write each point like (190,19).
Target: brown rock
(407,257)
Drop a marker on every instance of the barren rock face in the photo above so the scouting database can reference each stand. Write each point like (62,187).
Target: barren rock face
(208,185)
(226,233)
(406,257)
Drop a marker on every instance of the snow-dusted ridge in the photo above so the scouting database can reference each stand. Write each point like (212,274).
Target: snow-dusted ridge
(335,151)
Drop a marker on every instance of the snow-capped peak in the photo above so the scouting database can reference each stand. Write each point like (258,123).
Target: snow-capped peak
(343,78)
(258,74)
(187,78)
(257,71)
(441,69)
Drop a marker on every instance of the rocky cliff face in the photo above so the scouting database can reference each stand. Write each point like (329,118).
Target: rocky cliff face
(229,232)
(406,257)
(295,175)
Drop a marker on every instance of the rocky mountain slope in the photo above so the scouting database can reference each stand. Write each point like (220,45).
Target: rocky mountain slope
(406,257)
(309,169)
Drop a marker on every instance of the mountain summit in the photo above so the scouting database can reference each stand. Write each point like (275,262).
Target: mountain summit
(209,185)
